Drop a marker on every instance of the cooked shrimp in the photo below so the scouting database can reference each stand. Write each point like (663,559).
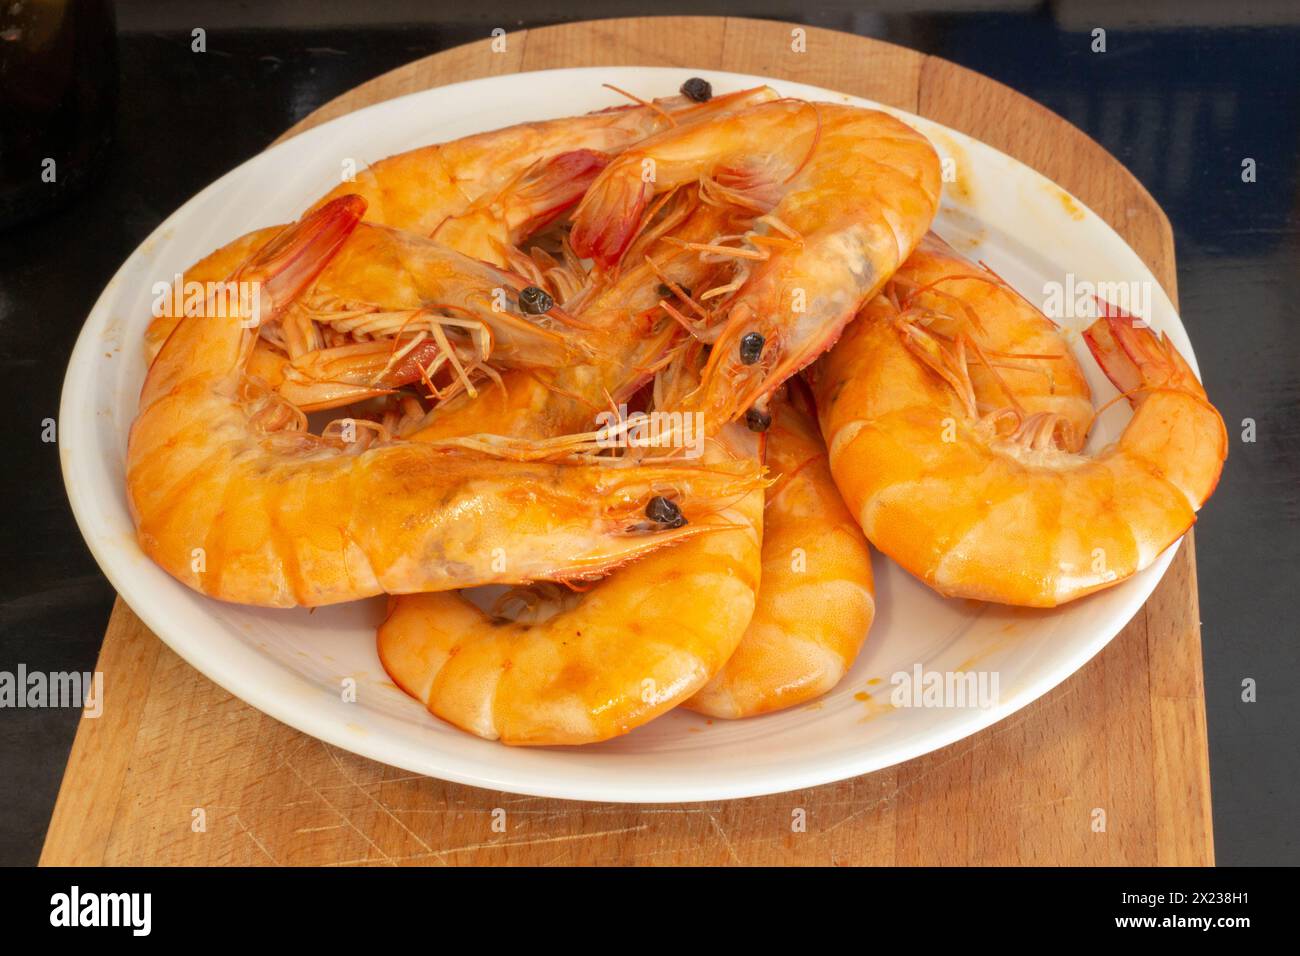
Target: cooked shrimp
(984,500)
(816,602)
(232,498)
(420,189)
(843,195)
(619,654)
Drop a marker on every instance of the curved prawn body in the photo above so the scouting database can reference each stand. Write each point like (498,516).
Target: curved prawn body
(231,498)
(842,194)
(624,651)
(988,502)
(816,602)
(499,185)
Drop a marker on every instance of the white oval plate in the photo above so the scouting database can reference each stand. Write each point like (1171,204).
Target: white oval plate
(290,664)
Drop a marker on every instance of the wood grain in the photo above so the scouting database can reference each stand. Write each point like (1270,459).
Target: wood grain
(1111,768)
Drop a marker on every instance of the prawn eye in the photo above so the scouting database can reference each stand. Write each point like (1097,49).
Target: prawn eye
(758,420)
(697,90)
(751,347)
(535,301)
(665,512)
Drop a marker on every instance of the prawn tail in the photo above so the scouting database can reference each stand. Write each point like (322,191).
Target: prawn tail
(255,293)
(1135,357)
(555,185)
(290,262)
(608,218)
(1186,439)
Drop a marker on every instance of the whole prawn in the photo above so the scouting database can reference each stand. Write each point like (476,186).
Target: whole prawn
(842,196)
(980,490)
(231,497)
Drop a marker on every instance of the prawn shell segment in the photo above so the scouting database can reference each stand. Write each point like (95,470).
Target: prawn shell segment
(632,646)
(816,602)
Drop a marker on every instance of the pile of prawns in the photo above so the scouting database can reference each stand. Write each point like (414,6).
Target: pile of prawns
(462,313)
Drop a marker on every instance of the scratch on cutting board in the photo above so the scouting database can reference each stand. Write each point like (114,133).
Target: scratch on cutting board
(853,816)
(726,841)
(495,846)
(338,764)
(261,846)
(344,786)
(569,837)
(342,816)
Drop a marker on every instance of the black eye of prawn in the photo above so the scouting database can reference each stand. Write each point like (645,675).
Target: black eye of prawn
(535,301)
(665,512)
(751,347)
(758,420)
(697,89)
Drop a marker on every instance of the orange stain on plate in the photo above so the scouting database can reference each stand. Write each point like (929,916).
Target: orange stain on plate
(1072,208)
(954,168)
(872,706)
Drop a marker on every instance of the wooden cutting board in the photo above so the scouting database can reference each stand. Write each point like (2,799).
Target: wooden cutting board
(177,771)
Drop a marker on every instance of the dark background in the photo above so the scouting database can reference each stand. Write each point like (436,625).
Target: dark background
(1184,93)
